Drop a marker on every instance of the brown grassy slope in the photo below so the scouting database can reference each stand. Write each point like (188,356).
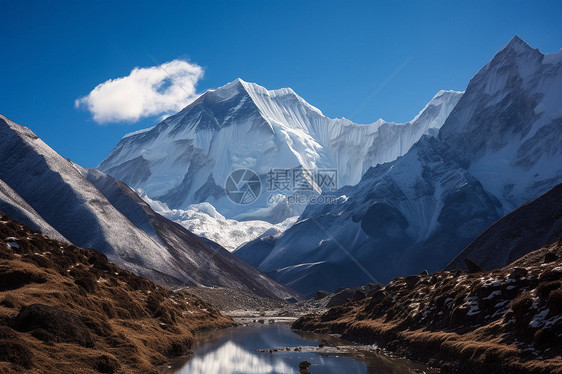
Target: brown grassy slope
(65,309)
(502,321)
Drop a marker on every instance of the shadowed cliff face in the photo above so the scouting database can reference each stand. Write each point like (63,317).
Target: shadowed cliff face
(67,309)
(524,230)
(413,214)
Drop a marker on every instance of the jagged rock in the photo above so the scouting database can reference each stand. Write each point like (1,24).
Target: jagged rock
(472,266)
(358,295)
(424,272)
(371,287)
(518,273)
(550,257)
(412,280)
(342,297)
(372,290)
(320,294)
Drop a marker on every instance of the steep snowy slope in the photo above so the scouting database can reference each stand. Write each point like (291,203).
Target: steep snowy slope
(93,210)
(499,146)
(510,123)
(14,206)
(62,197)
(528,228)
(186,158)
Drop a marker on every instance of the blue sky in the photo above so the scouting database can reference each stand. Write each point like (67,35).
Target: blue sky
(335,54)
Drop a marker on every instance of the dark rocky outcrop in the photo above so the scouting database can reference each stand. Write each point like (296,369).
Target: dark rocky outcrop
(522,231)
(472,266)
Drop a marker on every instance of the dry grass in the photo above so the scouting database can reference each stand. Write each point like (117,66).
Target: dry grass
(65,309)
(504,321)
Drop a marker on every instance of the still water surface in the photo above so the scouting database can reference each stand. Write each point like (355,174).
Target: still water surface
(236,350)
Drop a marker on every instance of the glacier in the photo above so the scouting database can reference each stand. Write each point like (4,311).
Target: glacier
(204,220)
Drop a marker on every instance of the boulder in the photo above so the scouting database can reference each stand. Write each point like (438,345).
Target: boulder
(472,266)
(358,295)
(320,294)
(518,273)
(303,367)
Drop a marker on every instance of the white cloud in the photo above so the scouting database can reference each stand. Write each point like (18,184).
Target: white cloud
(151,91)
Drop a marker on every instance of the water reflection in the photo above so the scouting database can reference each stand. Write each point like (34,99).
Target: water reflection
(231,358)
(236,351)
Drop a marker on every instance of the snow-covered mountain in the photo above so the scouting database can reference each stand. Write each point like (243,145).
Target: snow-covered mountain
(187,158)
(93,210)
(180,166)
(499,147)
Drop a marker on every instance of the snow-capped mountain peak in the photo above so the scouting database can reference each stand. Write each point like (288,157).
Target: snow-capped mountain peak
(187,157)
(509,122)
(517,45)
(444,97)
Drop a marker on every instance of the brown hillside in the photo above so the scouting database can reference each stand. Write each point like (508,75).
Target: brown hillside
(503,321)
(64,309)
